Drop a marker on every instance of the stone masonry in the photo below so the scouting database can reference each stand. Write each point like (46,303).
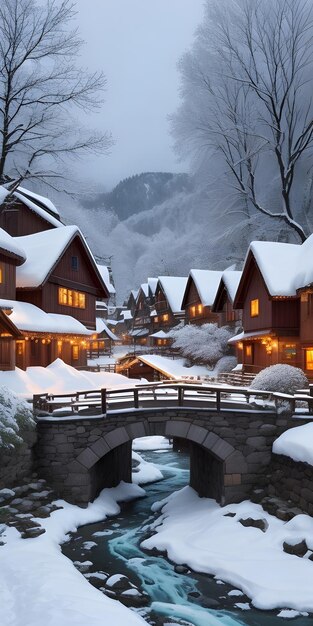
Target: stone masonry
(79,456)
(16,463)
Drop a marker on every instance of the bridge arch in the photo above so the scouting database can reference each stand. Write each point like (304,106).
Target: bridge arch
(229,450)
(214,463)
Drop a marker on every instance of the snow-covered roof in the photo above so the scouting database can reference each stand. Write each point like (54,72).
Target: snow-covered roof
(28,317)
(152,283)
(42,199)
(43,251)
(231,280)
(173,288)
(8,244)
(126,315)
(101,327)
(139,332)
(285,267)
(206,282)
(253,335)
(104,271)
(144,287)
(134,293)
(38,209)
(172,368)
(160,335)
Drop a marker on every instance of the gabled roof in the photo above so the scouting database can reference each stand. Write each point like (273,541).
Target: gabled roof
(206,283)
(38,204)
(104,271)
(229,283)
(173,288)
(152,284)
(101,327)
(285,267)
(43,251)
(9,248)
(144,288)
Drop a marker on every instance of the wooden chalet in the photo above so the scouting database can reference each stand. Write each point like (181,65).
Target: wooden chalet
(224,300)
(274,294)
(49,303)
(168,310)
(102,341)
(199,296)
(26,213)
(142,319)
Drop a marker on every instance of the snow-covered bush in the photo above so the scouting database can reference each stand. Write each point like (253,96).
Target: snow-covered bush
(281,377)
(204,344)
(15,417)
(225,364)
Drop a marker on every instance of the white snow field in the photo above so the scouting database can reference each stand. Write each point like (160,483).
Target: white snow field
(38,585)
(58,377)
(196,532)
(154,442)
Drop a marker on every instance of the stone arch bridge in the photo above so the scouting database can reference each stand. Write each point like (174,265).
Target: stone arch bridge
(229,450)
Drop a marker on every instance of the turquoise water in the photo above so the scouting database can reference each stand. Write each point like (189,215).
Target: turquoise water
(196,599)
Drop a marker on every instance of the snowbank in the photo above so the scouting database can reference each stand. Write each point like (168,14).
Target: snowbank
(297,443)
(145,472)
(39,585)
(155,442)
(195,531)
(58,378)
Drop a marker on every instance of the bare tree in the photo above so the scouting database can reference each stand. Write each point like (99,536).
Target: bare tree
(41,86)
(247,97)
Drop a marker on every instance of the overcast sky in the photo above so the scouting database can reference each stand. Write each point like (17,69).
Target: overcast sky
(137,43)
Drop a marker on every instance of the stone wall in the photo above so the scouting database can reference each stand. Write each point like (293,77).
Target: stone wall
(69,452)
(291,481)
(17,463)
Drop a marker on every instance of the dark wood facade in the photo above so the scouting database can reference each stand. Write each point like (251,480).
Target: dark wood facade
(17,219)
(223,306)
(196,312)
(271,324)
(164,318)
(83,279)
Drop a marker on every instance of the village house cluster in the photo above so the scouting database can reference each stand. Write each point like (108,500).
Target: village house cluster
(269,305)
(50,286)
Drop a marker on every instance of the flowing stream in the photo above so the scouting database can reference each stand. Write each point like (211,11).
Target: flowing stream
(188,598)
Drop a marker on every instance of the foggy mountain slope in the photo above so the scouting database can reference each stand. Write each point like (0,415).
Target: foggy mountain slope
(183,232)
(140,193)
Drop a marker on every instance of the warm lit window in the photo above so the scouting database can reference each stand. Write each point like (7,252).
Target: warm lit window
(199,309)
(309,359)
(59,346)
(165,317)
(68,297)
(1,274)
(155,319)
(75,353)
(192,311)
(249,351)
(254,307)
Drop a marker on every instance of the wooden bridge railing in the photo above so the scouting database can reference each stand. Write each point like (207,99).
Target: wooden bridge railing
(161,394)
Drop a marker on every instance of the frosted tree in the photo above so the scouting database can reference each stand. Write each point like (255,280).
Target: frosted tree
(205,344)
(247,105)
(41,86)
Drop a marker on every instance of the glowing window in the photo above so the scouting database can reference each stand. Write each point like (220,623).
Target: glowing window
(192,311)
(249,351)
(254,307)
(165,317)
(75,353)
(68,297)
(309,359)
(199,309)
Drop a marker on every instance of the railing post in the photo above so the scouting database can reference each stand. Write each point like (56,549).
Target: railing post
(180,396)
(136,398)
(218,400)
(103,401)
